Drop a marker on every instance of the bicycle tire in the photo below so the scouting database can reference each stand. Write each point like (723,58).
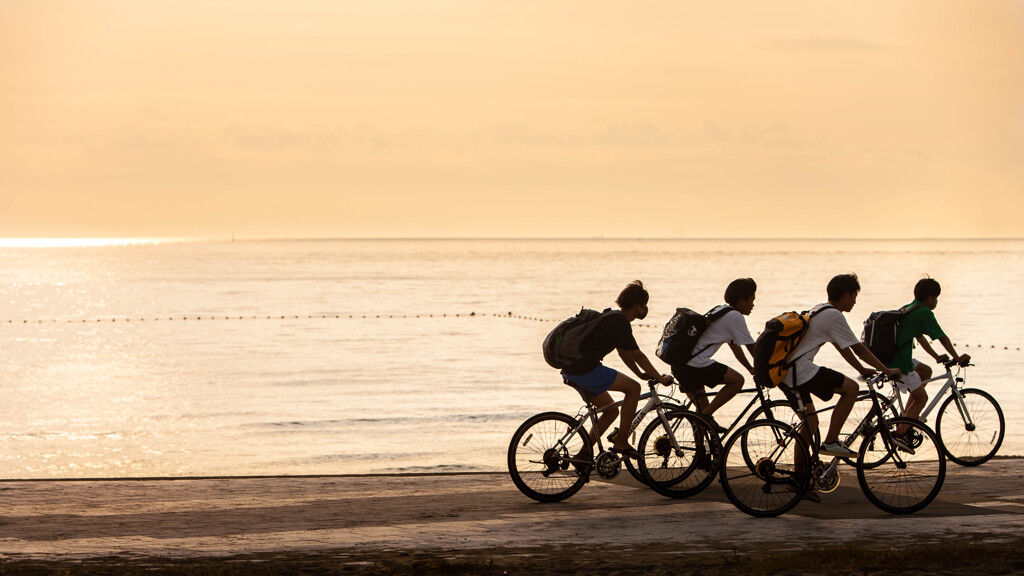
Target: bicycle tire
(539,457)
(681,460)
(901,482)
(772,486)
(634,469)
(971,447)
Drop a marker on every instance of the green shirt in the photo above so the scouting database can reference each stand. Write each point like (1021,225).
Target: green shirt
(919,322)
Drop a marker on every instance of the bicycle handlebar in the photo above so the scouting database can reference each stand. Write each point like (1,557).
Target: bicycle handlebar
(955,361)
(652,382)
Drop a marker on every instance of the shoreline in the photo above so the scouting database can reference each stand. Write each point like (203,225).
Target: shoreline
(311,476)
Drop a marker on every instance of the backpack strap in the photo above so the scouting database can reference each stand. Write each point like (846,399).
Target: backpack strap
(711,319)
(811,317)
(905,310)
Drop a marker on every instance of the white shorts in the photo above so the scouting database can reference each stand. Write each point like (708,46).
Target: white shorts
(910,382)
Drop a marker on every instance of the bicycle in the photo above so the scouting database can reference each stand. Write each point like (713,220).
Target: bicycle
(679,455)
(550,457)
(970,424)
(775,468)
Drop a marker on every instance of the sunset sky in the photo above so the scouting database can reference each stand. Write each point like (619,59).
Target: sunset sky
(378,118)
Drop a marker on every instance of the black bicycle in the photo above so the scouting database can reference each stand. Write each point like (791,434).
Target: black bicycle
(767,467)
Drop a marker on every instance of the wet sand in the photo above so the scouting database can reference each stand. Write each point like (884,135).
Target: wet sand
(480,523)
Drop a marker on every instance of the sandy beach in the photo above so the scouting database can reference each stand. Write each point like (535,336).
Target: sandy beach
(474,523)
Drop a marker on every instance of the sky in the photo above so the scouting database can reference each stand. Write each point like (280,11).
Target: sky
(519,118)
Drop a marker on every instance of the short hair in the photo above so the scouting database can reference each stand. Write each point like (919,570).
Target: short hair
(926,288)
(740,289)
(633,294)
(841,285)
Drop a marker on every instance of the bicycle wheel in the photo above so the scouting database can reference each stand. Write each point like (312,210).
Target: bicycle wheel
(634,469)
(679,456)
(548,457)
(975,443)
(780,411)
(901,482)
(772,485)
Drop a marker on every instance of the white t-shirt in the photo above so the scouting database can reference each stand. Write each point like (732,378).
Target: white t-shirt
(827,326)
(731,327)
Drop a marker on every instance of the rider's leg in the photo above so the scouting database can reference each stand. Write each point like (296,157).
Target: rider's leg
(732,384)
(847,398)
(631,389)
(918,398)
(607,416)
(810,418)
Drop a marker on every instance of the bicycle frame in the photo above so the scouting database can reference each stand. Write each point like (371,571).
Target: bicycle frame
(874,413)
(589,412)
(953,383)
(761,397)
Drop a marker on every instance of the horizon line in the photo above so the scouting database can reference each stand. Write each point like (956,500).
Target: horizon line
(107,241)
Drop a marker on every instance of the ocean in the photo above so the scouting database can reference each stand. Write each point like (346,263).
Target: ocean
(203,358)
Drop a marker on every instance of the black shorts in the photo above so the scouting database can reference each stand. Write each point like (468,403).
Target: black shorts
(694,380)
(823,385)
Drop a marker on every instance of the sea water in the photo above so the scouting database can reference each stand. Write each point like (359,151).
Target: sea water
(184,358)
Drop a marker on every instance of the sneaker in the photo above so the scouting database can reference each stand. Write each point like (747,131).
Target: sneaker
(810,495)
(718,428)
(902,442)
(836,449)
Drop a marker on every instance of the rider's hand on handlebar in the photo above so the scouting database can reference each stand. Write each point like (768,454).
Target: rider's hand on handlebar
(964,359)
(867,373)
(893,373)
(664,379)
(942,359)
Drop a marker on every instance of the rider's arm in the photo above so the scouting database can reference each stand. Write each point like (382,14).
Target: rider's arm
(630,362)
(927,347)
(948,345)
(864,354)
(637,360)
(851,358)
(737,350)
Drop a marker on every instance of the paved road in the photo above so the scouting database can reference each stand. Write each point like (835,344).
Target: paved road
(229,516)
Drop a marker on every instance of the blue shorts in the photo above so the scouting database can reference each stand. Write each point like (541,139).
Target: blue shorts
(597,381)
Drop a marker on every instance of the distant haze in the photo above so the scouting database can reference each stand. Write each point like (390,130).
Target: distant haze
(417,118)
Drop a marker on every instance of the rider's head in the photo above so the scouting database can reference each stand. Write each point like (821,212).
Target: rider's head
(927,291)
(740,294)
(634,296)
(842,291)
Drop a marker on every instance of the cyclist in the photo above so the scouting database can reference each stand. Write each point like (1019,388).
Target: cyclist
(805,378)
(918,322)
(701,372)
(613,332)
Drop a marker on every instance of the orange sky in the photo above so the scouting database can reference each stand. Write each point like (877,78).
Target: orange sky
(331,118)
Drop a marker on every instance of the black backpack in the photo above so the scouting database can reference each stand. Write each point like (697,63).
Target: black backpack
(880,332)
(562,345)
(680,336)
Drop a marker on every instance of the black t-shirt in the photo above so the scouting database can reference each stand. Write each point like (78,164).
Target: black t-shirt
(613,331)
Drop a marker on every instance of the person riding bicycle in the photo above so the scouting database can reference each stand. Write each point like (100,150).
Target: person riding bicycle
(919,321)
(701,372)
(806,378)
(613,332)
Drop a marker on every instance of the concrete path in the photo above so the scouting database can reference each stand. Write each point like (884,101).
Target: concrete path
(177,518)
